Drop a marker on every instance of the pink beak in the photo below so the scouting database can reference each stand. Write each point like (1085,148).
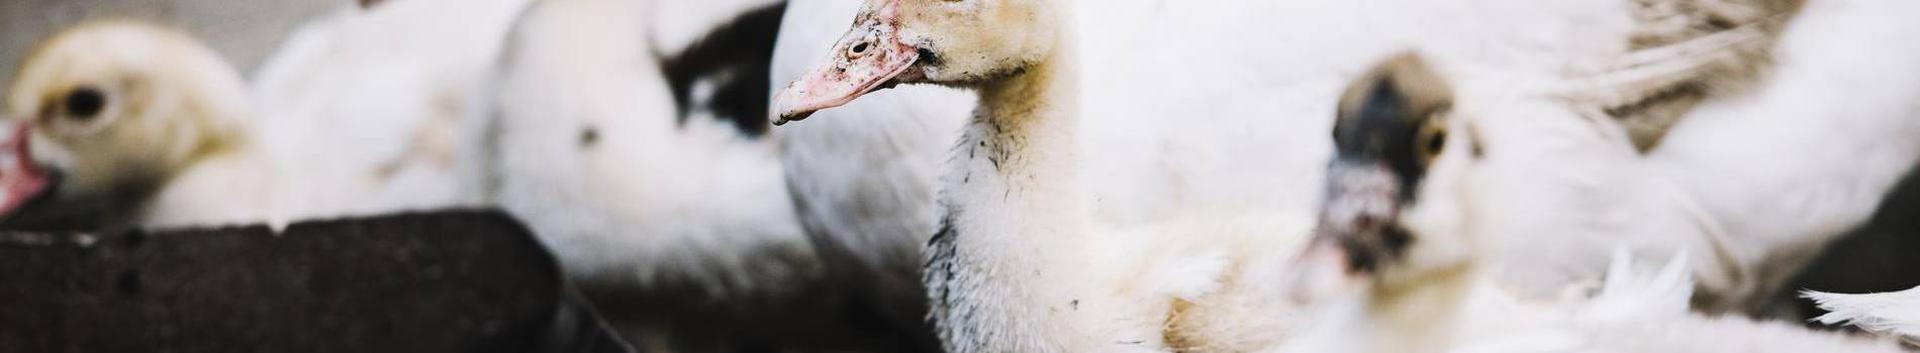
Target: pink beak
(20,179)
(869,58)
(1319,272)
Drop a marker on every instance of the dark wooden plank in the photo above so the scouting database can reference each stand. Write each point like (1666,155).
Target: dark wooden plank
(461,281)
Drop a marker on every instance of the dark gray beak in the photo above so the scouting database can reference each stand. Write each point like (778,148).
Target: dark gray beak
(1357,216)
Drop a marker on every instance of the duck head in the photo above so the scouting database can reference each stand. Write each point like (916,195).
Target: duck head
(960,43)
(104,113)
(1393,211)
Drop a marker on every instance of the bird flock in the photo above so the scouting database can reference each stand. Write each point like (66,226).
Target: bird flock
(1048,175)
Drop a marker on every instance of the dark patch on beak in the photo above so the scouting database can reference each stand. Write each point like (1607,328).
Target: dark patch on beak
(1359,214)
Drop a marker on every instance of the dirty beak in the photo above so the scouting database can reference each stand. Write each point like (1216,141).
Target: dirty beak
(21,180)
(1356,234)
(869,58)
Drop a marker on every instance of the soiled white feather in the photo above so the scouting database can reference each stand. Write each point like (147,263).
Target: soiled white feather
(1892,313)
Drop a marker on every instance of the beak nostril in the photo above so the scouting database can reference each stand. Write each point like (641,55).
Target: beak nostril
(1366,222)
(859,49)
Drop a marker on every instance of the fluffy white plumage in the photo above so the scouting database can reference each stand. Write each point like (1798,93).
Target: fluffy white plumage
(1156,148)
(1154,145)
(1092,286)
(370,110)
(1810,152)
(1573,178)
(1636,310)
(1226,104)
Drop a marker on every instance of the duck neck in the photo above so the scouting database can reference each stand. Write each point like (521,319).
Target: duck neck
(1419,314)
(1024,135)
(1006,257)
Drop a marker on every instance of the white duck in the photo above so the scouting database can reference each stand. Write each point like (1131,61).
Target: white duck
(1408,227)
(590,151)
(122,124)
(358,121)
(631,136)
(1018,263)
(376,110)
(863,176)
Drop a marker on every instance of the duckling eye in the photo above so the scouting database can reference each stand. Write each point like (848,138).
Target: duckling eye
(85,103)
(1431,139)
(1438,141)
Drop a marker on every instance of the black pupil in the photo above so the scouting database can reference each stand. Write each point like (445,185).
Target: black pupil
(860,48)
(1439,140)
(85,103)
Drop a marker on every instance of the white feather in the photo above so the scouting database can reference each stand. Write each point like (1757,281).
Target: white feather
(1895,314)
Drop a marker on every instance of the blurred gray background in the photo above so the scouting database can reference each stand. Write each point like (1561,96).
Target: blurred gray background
(245,31)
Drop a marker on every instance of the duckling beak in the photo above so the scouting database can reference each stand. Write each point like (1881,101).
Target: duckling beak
(870,57)
(1356,234)
(1357,217)
(20,179)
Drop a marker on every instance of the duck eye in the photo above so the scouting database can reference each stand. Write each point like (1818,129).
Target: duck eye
(1431,139)
(1435,143)
(85,103)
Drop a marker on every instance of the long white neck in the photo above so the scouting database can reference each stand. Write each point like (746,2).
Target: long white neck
(1021,148)
(1002,270)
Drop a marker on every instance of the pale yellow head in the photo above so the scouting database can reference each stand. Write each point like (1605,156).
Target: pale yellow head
(116,108)
(963,43)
